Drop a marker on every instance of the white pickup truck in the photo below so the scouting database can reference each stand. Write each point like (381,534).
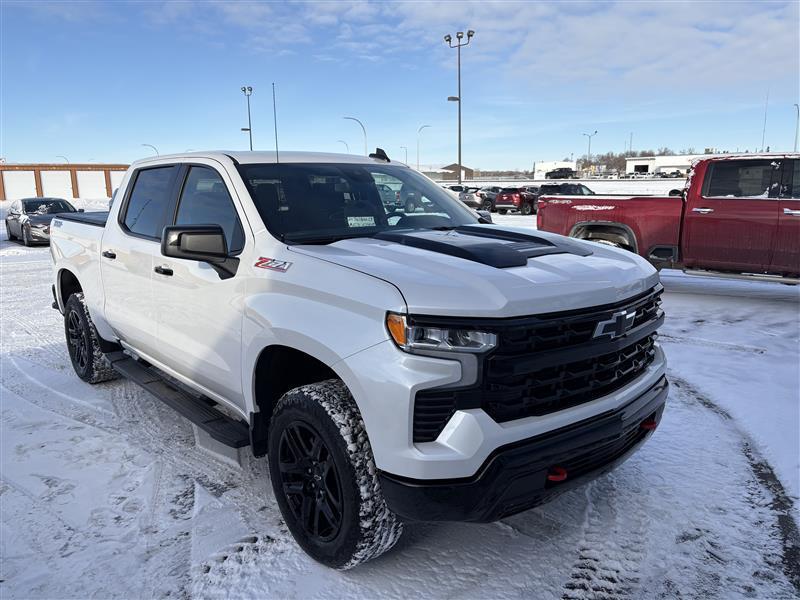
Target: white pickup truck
(392,365)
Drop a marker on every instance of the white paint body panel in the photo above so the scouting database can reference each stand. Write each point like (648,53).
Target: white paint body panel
(331,304)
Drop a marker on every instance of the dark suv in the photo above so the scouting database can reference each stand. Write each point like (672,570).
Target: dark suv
(561,173)
(564,189)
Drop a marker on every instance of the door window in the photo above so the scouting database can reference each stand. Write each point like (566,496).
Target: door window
(790,185)
(742,179)
(147,204)
(205,201)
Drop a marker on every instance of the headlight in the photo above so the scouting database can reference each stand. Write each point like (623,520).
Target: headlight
(426,338)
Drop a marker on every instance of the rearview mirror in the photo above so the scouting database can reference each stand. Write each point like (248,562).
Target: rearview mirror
(204,243)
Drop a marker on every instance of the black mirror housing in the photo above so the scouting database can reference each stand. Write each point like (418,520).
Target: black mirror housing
(485,215)
(203,243)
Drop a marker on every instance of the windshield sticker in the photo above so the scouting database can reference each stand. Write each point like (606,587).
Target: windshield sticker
(273,264)
(361,221)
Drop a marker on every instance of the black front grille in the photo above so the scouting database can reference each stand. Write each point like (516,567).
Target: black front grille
(548,363)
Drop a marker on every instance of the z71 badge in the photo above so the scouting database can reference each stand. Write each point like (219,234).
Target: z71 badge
(273,264)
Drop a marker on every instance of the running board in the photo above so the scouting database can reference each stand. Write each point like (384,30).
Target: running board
(198,409)
(743,276)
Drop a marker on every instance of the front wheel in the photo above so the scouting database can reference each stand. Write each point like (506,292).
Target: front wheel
(83,344)
(26,236)
(324,477)
(526,209)
(10,235)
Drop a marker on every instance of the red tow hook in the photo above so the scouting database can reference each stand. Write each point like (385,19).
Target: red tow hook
(648,424)
(557,474)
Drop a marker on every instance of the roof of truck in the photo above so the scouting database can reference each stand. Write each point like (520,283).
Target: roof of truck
(270,157)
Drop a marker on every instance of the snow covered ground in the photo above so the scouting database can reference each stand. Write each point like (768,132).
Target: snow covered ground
(105,493)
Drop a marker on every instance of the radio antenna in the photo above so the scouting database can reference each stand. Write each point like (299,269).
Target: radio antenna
(275,119)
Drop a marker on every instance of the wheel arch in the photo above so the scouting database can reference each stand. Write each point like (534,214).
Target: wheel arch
(67,283)
(611,231)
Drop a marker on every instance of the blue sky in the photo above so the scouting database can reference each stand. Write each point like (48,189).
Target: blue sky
(94,81)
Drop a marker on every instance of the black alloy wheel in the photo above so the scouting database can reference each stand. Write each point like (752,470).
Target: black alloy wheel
(77,341)
(526,208)
(310,481)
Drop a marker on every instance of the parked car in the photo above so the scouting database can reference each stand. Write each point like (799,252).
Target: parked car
(488,195)
(400,367)
(516,198)
(561,173)
(29,219)
(389,197)
(564,189)
(739,216)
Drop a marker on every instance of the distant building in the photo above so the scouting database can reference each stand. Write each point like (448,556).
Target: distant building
(661,164)
(450,172)
(92,181)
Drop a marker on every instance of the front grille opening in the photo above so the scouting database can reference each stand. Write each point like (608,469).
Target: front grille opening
(542,391)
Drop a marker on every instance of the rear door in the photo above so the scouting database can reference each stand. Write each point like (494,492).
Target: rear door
(128,251)
(199,313)
(731,224)
(786,254)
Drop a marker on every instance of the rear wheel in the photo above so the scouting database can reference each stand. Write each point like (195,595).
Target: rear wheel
(526,208)
(324,477)
(83,343)
(487,205)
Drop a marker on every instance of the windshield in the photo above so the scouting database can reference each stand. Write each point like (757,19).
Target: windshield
(43,206)
(323,203)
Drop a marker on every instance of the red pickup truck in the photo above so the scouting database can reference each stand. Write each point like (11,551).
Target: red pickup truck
(738,215)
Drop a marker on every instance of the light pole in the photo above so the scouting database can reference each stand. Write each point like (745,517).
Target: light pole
(449,39)
(153,147)
(346,145)
(406,149)
(589,152)
(796,125)
(419,131)
(66,160)
(248,91)
(363,130)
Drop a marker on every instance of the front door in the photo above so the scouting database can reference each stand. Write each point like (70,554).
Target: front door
(731,225)
(200,314)
(786,255)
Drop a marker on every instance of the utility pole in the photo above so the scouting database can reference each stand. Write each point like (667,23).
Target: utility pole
(589,152)
(796,125)
(764,130)
(630,144)
(406,149)
(346,145)
(449,39)
(149,146)
(247,91)
(419,131)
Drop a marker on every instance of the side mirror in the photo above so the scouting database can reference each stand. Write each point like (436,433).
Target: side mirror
(485,215)
(201,243)
(80,210)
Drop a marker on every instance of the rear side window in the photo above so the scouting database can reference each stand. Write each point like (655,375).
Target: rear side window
(741,179)
(205,201)
(791,179)
(148,201)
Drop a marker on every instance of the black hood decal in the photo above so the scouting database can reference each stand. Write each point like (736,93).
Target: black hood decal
(493,247)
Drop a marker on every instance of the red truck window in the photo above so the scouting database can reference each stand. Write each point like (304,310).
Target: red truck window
(741,179)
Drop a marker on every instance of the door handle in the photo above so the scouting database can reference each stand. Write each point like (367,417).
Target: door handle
(109,254)
(703,211)
(789,211)
(163,271)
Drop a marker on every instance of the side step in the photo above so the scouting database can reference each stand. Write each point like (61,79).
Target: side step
(198,409)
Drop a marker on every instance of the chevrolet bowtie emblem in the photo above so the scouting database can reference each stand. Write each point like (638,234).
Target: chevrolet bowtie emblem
(618,325)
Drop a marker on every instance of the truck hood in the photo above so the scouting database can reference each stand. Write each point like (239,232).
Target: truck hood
(489,271)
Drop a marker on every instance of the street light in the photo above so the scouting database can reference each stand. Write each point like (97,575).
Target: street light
(66,160)
(346,145)
(449,39)
(153,147)
(419,131)
(589,152)
(363,129)
(248,91)
(796,125)
(406,149)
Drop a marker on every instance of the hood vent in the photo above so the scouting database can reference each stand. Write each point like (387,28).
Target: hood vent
(499,249)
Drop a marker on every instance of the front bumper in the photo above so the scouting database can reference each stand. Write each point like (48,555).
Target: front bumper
(40,234)
(515,477)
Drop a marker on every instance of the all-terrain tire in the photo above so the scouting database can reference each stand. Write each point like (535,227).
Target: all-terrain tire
(367,528)
(10,235)
(83,343)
